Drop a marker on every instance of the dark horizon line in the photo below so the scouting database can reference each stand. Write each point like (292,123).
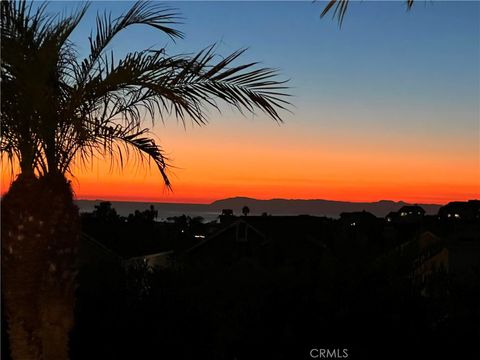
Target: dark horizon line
(246,198)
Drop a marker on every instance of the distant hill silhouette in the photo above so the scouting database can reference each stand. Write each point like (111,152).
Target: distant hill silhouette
(318,207)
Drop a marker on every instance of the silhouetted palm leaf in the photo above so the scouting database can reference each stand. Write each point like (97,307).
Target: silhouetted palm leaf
(340,8)
(116,141)
(141,13)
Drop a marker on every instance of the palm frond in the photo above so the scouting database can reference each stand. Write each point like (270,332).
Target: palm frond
(340,9)
(35,50)
(116,142)
(151,82)
(141,13)
(182,86)
(57,109)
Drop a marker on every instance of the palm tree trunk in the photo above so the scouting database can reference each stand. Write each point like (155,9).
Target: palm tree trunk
(57,295)
(40,232)
(23,259)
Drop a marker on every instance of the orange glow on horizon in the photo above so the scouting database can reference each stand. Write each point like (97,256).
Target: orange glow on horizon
(228,159)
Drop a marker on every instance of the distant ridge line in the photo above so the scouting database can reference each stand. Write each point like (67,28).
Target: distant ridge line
(277,206)
(400,202)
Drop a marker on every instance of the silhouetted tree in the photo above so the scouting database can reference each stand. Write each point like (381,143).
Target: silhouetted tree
(152,212)
(105,212)
(245,210)
(145,216)
(58,109)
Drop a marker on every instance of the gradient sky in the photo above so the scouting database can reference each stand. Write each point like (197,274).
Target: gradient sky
(387,107)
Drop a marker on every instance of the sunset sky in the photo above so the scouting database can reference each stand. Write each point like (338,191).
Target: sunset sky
(387,107)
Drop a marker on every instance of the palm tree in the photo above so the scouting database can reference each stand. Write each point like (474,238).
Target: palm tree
(340,8)
(59,111)
(245,210)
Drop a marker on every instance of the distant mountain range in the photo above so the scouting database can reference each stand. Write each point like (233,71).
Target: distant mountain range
(314,207)
(274,206)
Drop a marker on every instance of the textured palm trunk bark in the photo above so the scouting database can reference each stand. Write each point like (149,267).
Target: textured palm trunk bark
(23,259)
(57,293)
(40,234)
